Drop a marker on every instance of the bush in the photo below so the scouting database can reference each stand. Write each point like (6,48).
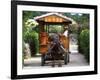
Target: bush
(31,37)
(84,43)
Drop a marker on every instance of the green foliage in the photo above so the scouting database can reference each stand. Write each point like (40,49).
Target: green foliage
(31,23)
(31,37)
(73,29)
(35,40)
(55,28)
(82,19)
(84,43)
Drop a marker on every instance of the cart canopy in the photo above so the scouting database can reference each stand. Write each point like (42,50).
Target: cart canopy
(54,17)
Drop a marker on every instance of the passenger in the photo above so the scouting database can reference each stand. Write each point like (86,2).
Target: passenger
(65,31)
(66,34)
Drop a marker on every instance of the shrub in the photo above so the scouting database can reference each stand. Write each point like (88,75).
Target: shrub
(30,34)
(31,37)
(84,43)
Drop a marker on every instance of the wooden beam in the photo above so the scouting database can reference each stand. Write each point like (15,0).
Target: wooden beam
(59,23)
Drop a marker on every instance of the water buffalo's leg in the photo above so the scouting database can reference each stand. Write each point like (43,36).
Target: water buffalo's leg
(53,61)
(43,60)
(66,58)
(59,60)
(59,63)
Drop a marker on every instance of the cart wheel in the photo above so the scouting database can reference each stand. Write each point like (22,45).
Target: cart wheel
(42,59)
(65,58)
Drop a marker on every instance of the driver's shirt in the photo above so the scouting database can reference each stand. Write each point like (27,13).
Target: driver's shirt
(66,33)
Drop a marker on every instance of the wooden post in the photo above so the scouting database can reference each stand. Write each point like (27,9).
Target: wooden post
(68,39)
(41,26)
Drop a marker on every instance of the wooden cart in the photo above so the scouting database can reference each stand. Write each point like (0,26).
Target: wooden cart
(52,19)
